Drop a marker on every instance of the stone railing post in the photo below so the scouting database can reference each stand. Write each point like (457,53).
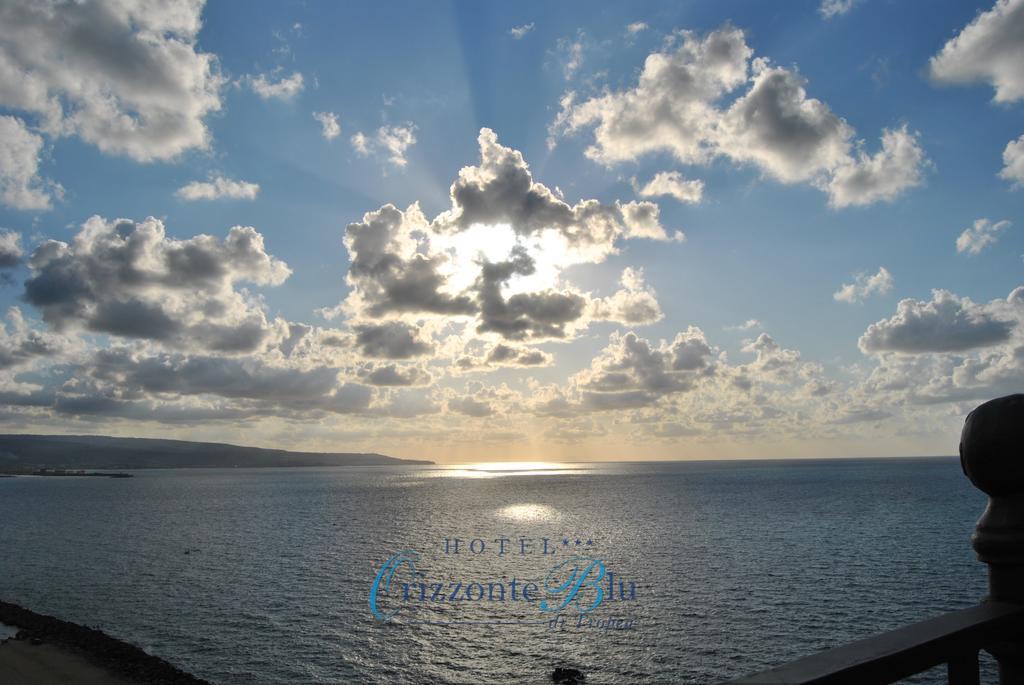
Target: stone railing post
(992,456)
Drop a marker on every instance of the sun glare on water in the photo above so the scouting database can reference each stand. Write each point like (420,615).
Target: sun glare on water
(497,469)
(528,512)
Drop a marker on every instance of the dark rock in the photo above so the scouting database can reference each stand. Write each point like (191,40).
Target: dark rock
(568,676)
(118,657)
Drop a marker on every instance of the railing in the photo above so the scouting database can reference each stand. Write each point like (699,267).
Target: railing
(992,456)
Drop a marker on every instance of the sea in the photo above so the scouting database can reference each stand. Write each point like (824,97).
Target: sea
(631,572)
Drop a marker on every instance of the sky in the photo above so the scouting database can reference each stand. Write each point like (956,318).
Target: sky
(513,231)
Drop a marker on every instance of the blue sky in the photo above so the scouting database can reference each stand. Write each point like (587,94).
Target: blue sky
(800,147)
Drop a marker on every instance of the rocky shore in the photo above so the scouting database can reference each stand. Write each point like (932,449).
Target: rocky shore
(121,660)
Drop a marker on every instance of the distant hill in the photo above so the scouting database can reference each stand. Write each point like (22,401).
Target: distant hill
(103,452)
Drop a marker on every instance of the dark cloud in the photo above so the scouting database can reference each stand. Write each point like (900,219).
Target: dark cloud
(501,190)
(505,355)
(630,372)
(947,323)
(391,340)
(470,407)
(21,344)
(390,275)
(129,279)
(394,376)
(524,315)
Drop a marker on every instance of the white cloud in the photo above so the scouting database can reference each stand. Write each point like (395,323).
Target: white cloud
(673,184)
(636,304)
(835,8)
(518,32)
(125,76)
(1013,162)
(329,126)
(988,50)
(218,188)
(10,249)
(284,88)
(880,177)
(21,187)
(635,28)
(979,236)
(360,143)
(572,56)
(676,107)
(946,350)
(748,325)
(391,141)
(865,286)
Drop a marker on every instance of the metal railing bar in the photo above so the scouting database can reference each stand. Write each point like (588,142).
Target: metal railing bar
(900,653)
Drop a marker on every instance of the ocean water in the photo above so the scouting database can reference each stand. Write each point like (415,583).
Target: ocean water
(264,575)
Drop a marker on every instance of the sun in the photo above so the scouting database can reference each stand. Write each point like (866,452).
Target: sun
(466,249)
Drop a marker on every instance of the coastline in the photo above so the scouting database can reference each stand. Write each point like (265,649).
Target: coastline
(47,649)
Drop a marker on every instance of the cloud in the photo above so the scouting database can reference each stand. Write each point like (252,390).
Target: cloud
(470,407)
(20,344)
(773,362)
(636,304)
(502,355)
(518,32)
(502,190)
(284,88)
(952,351)
(772,125)
(988,50)
(124,76)
(128,279)
(492,260)
(1013,163)
(835,8)
(329,126)
(635,28)
(632,373)
(21,187)
(864,286)
(542,314)
(218,188)
(862,414)
(571,55)
(979,236)
(673,184)
(391,375)
(947,323)
(505,355)
(388,273)
(884,176)
(748,325)
(391,141)
(391,340)
(120,381)
(10,249)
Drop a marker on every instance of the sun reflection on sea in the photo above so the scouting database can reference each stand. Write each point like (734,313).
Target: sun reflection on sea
(495,469)
(528,512)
